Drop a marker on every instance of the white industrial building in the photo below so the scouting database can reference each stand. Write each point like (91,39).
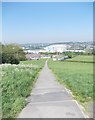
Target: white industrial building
(31,51)
(51,48)
(56,48)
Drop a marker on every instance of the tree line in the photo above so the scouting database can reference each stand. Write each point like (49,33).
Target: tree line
(11,53)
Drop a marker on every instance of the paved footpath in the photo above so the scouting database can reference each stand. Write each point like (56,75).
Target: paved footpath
(49,99)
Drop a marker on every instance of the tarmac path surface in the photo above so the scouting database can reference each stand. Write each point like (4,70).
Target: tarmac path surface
(49,99)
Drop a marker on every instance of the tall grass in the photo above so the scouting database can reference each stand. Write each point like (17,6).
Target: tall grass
(17,83)
(39,63)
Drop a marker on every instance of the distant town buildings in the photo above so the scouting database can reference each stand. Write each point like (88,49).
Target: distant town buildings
(51,48)
(34,56)
(37,51)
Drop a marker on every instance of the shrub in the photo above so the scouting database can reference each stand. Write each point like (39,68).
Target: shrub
(12,54)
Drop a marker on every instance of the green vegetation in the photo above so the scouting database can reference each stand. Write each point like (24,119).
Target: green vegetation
(17,83)
(34,62)
(12,53)
(70,54)
(82,58)
(76,76)
(75,54)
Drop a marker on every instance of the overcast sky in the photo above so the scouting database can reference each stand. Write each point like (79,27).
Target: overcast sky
(38,22)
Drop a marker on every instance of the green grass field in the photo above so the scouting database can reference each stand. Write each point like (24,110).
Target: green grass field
(39,63)
(76,76)
(17,83)
(82,58)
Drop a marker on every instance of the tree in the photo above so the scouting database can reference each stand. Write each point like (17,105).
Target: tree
(12,53)
(70,54)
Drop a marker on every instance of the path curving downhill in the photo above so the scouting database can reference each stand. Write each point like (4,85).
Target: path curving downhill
(49,99)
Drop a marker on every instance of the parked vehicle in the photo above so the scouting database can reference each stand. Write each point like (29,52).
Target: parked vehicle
(64,58)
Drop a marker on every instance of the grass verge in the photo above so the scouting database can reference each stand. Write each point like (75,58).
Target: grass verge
(77,77)
(17,83)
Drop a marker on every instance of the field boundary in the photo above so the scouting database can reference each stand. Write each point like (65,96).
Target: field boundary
(78,61)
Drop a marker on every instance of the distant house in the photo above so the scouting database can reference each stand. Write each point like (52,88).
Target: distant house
(33,56)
